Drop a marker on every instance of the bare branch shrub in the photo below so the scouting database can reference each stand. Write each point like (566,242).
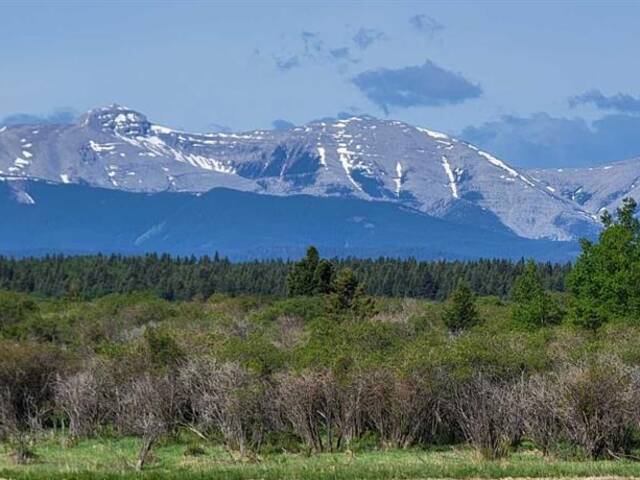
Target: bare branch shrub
(86,397)
(8,414)
(488,414)
(310,404)
(402,410)
(597,404)
(21,420)
(147,407)
(540,407)
(227,398)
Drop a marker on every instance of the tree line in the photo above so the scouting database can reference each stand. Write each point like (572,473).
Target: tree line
(179,278)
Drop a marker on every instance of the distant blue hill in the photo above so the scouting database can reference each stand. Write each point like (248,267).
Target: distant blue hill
(39,218)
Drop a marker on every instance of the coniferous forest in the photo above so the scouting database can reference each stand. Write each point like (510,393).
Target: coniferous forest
(322,368)
(183,278)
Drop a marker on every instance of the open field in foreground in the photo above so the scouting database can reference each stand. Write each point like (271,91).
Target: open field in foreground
(113,459)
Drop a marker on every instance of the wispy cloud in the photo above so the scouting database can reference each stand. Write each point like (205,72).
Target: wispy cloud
(366,37)
(620,102)
(287,63)
(308,48)
(61,115)
(426,25)
(422,85)
(313,44)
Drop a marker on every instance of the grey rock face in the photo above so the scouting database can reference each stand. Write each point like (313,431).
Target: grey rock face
(363,157)
(595,189)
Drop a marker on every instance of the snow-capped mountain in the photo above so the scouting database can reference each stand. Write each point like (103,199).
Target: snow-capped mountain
(595,188)
(362,157)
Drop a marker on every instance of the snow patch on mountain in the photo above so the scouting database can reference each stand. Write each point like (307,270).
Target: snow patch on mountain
(451,177)
(398,179)
(322,156)
(433,133)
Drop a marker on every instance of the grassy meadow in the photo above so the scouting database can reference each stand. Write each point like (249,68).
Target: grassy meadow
(189,459)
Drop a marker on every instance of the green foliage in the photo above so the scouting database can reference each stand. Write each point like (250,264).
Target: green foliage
(495,349)
(162,348)
(135,309)
(533,305)
(461,312)
(26,371)
(254,352)
(15,308)
(605,281)
(342,347)
(303,308)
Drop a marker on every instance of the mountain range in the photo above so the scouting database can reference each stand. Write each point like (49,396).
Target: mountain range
(358,185)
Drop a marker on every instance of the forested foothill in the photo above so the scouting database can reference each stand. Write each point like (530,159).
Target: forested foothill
(314,356)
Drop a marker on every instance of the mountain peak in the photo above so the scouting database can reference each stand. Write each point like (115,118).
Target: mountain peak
(118,119)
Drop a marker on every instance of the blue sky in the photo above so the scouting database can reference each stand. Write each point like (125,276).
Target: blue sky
(539,83)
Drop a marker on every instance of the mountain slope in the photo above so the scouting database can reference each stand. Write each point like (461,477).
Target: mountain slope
(361,157)
(596,188)
(39,217)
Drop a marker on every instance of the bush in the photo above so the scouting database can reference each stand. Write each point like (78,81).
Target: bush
(228,399)
(309,403)
(15,308)
(27,371)
(596,402)
(86,397)
(488,414)
(27,374)
(541,419)
(148,407)
(401,409)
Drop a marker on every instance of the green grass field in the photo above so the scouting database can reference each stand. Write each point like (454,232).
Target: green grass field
(113,459)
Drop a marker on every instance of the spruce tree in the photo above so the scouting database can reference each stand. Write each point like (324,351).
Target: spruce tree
(461,311)
(348,296)
(533,306)
(301,278)
(323,277)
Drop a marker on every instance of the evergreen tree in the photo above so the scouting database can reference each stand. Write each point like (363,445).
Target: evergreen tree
(301,279)
(348,296)
(605,281)
(346,289)
(323,277)
(533,305)
(461,311)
